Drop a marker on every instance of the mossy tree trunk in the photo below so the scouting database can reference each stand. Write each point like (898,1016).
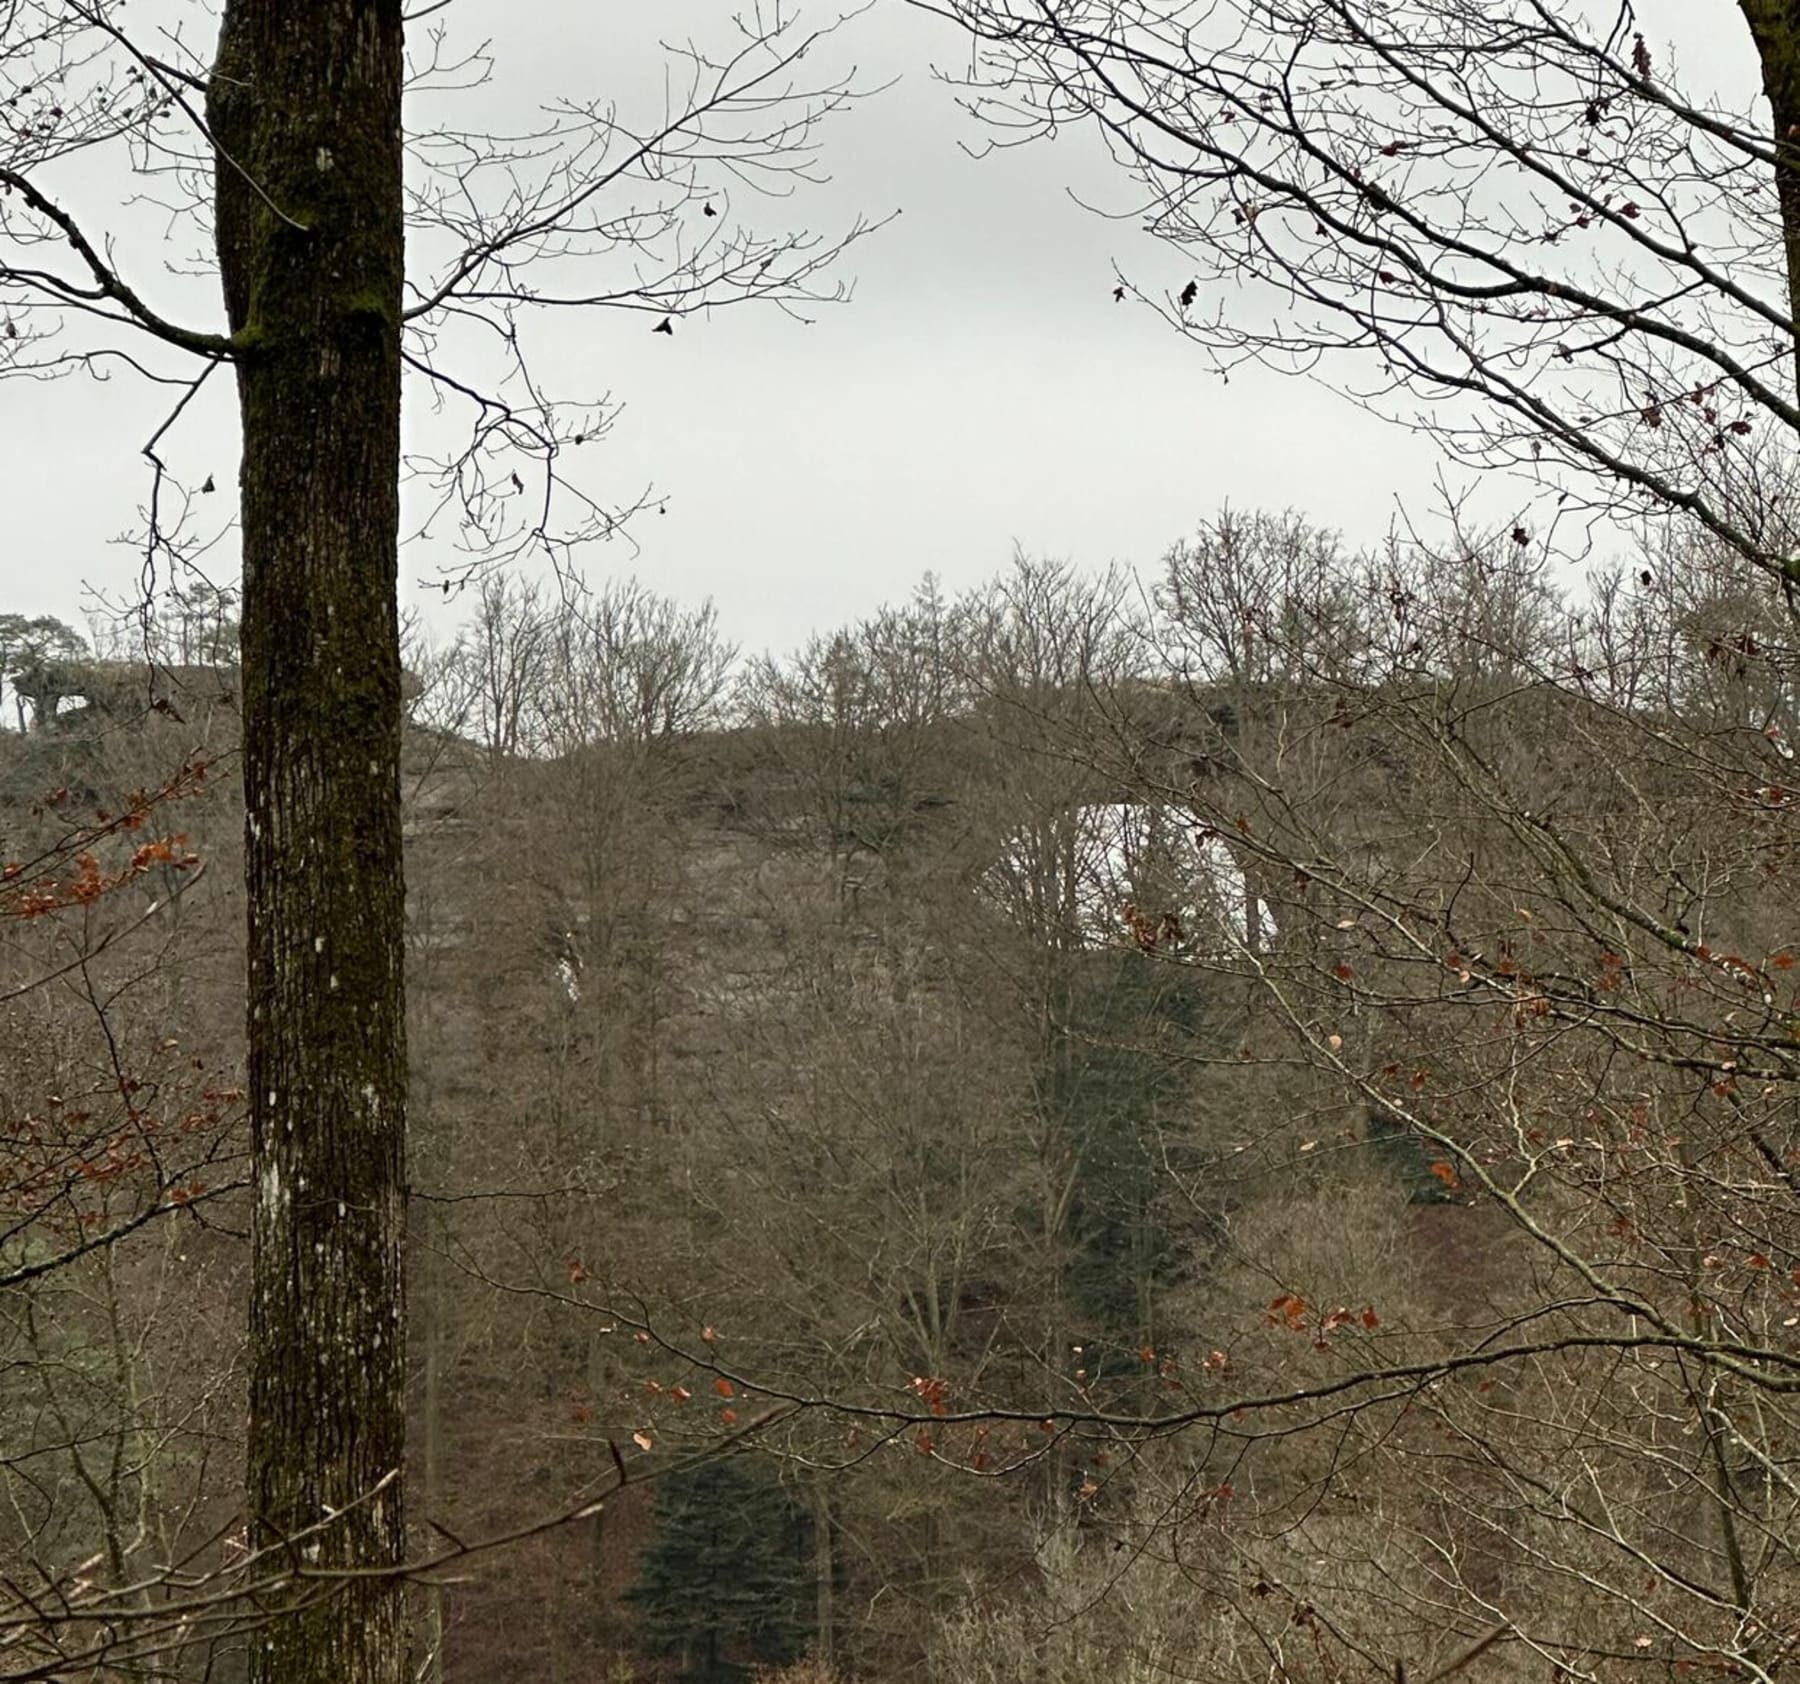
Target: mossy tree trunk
(305,111)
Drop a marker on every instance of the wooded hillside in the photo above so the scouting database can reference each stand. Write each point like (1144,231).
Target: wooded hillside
(1044,1135)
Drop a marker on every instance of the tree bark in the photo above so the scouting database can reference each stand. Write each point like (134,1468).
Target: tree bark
(1775,30)
(304,105)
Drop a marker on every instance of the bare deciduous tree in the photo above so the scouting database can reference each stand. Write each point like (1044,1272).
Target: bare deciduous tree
(292,136)
(1507,224)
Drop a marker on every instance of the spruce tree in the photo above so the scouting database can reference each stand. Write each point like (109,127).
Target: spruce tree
(726,1584)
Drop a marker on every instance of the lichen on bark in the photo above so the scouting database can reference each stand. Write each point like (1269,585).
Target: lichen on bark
(311,262)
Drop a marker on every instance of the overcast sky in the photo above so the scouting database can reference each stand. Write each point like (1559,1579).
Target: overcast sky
(982,391)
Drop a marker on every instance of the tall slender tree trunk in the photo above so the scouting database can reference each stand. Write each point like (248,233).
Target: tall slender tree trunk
(305,111)
(1775,30)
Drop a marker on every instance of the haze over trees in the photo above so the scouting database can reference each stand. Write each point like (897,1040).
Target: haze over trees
(1235,1122)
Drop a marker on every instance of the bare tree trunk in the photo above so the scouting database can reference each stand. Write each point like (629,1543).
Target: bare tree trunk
(1775,28)
(305,110)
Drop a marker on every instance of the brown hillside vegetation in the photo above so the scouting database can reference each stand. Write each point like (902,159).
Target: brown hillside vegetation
(1039,1151)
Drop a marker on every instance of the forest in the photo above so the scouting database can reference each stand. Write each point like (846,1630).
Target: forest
(1043,1134)
(1228,1118)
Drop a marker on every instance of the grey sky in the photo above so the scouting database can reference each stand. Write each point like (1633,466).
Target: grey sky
(981,390)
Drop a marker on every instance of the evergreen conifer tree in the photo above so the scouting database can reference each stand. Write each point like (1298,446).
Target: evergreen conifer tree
(726,1584)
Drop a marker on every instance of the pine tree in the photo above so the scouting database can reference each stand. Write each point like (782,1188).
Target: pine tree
(726,1585)
(1111,1095)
